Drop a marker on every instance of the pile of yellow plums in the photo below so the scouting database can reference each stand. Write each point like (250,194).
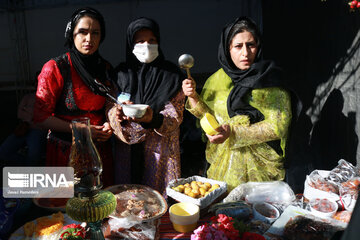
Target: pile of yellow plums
(196,189)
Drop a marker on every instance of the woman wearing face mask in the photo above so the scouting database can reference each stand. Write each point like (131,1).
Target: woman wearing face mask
(67,90)
(250,100)
(147,78)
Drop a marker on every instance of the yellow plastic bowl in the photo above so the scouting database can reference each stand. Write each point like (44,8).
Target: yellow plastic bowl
(209,124)
(184,216)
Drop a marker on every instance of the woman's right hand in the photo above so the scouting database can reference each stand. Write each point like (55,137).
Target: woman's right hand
(101,133)
(120,116)
(189,88)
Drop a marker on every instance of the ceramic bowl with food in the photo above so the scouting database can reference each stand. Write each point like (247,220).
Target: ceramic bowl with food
(209,124)
(184,216)
(323,207)
(134,110)
(265,212)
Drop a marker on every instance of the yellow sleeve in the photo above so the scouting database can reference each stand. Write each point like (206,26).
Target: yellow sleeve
(275,105)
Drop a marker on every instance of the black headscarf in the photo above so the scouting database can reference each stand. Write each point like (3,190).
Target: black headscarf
(261,74)
(152,83)
(89,67)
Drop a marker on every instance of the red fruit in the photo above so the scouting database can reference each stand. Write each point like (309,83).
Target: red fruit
(352,6)
(354,3)
(358,5)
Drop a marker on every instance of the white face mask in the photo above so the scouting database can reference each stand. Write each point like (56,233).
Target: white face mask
(146,53)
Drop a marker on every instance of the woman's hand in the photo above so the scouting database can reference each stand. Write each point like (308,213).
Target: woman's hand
(120,116)
(189,88)
(224,133)
(101,133)
(148,116)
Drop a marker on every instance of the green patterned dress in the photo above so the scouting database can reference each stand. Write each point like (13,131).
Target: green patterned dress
(245,156)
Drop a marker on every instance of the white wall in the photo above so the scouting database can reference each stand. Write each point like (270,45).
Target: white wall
(185,26)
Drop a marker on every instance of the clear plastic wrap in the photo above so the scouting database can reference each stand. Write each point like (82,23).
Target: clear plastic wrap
(333,184)
(323,208)
(349,192)
(115,229)
(342,172)
(343,216)
(350,187)
(317,181)
(276,192)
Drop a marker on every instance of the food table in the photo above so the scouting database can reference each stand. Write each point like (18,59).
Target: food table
(29,211)
(317,207)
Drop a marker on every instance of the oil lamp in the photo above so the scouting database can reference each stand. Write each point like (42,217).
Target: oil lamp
(90,204)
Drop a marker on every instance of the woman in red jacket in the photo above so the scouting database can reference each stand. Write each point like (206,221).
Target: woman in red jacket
(67,90)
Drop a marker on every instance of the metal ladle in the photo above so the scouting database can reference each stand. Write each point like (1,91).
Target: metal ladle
(106,90)
(186,61)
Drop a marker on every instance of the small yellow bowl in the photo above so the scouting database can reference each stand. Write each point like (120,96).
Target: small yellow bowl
(209,124)
(184,216)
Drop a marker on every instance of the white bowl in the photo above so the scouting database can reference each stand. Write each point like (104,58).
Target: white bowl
(134,110)
(323,207)
(265,212)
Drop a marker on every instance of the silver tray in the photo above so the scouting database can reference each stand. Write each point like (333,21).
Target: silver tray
(121,191)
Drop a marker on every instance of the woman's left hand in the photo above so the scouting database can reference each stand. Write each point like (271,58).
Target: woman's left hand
(146,118)
(224,133)
(107,128)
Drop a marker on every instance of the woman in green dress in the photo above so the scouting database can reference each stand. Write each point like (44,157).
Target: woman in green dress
(251,102)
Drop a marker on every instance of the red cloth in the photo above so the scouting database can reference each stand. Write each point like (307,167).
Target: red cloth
(50,87)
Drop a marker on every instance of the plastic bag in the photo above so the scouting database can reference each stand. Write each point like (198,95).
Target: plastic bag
(276,192)
(343,216)
(319,182)
(349,192)
(117,229)
(342,172)
(350,187)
